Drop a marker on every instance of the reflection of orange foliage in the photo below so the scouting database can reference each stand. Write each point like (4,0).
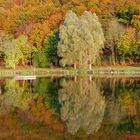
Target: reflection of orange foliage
(45,115)
(132,111)
(11,129)
(8,126)
(23,125)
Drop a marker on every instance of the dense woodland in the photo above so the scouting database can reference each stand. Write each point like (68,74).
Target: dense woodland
(80,33)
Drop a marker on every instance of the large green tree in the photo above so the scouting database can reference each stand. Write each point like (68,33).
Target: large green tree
(81,40)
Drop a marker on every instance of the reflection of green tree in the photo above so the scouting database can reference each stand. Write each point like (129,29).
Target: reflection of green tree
(126,125)
(82,105)
(122,114)
(129,99)
(48,88)
(131,87)
(14,96)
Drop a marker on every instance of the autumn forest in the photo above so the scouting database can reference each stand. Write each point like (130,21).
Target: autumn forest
(67,33)
(69,69)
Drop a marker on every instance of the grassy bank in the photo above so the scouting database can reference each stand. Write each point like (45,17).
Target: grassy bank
(126,70)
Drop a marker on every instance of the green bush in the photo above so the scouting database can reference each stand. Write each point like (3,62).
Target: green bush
(40,60)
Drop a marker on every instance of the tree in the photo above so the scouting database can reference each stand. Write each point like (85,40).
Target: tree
(77,6)
(125,16)
(82,105)
(22,44)
(136,21)
(12,53)
(14,96)
(129,47)
(125,49)
(40,59)
(113,39)
(48,89)
(50,45)
(81,39)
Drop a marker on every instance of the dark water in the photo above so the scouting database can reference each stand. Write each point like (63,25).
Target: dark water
(80,108)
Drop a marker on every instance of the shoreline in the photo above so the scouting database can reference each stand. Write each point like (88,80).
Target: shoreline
(97,71)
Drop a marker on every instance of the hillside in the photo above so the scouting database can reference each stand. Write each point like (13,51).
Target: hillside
(31,23)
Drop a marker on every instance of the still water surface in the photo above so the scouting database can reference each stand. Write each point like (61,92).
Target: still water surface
(69,108)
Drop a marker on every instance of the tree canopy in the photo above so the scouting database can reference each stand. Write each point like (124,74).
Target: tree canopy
(81,39)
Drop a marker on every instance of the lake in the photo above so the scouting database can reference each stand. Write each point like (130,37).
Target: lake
(70,108)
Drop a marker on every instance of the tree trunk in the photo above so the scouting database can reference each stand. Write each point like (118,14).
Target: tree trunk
(90,78)
(23,63)
(75,78)
(90,66)
(113,56)
(75,66)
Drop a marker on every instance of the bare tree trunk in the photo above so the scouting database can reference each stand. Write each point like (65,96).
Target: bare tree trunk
(116,55)
(23,63)
(75,78)
(90,66)
(75,66)
(90,78)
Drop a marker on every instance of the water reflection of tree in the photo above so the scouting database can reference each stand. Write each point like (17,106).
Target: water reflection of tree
(122,112)
(123,94)
(82,105)
(129,99)
(21,113)
(13,96)
(48,89)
